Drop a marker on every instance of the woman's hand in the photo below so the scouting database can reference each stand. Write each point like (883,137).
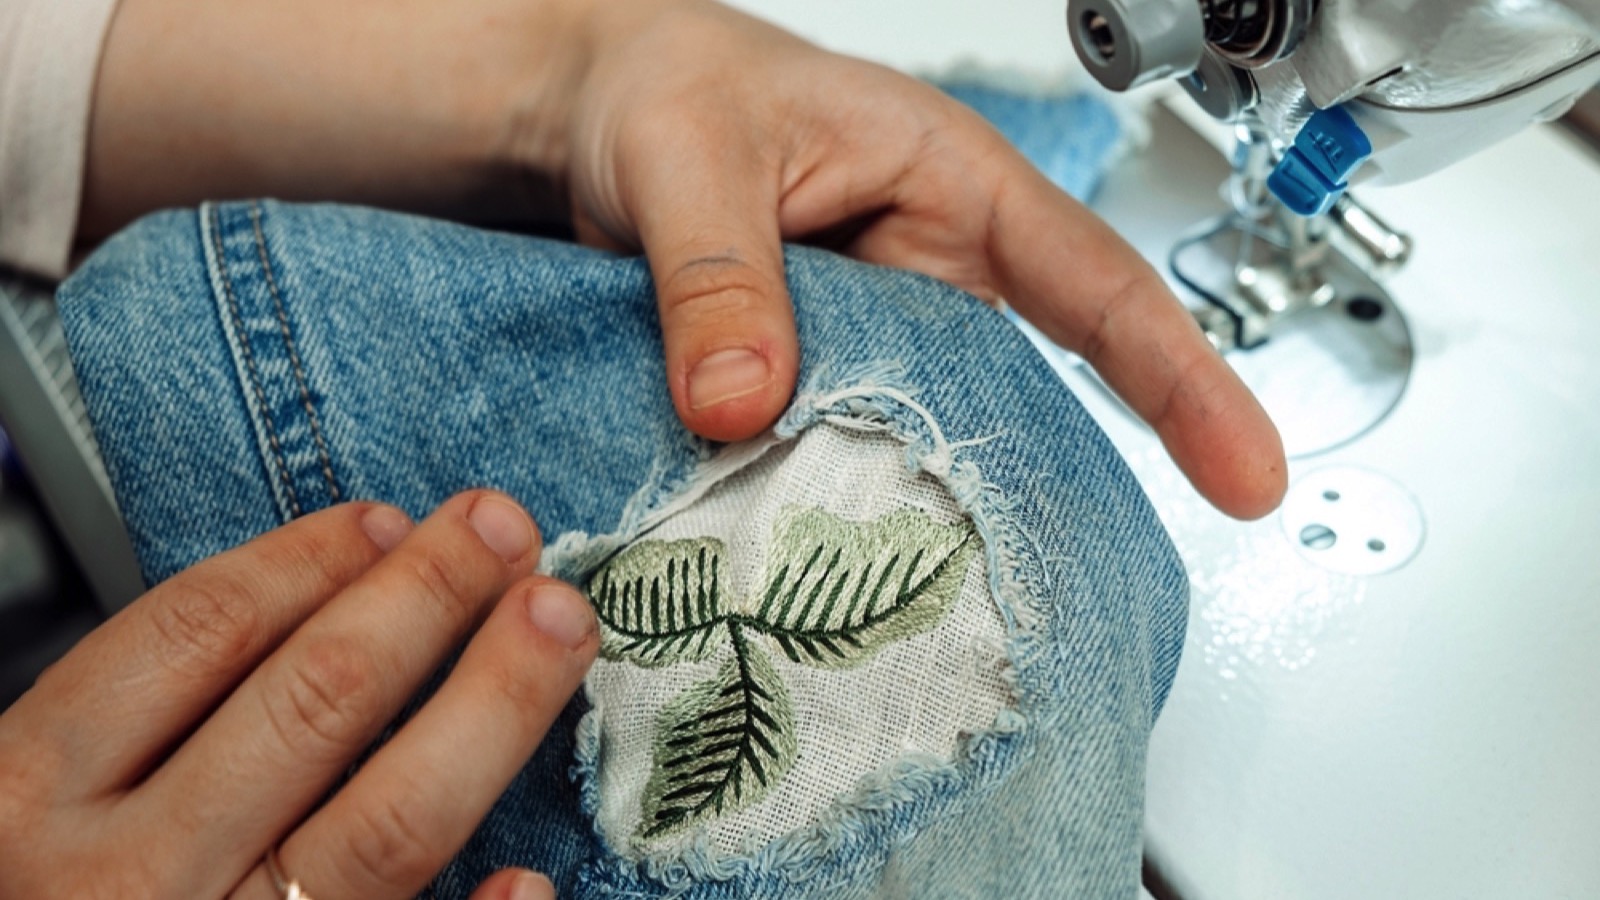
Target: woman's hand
(705,138)
(680,127)
(205,724)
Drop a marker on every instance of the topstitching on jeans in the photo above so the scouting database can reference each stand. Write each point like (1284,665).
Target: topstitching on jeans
(242,340)
(859,831)
(294,354)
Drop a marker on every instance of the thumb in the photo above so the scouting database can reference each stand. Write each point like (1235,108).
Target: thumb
(707,215)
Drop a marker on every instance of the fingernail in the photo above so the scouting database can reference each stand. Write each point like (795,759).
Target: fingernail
(559,612)
(532,886)
(727,374)
(386,526)
(503,526)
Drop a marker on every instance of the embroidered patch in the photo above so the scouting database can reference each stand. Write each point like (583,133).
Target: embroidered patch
(834,594)
(870,683)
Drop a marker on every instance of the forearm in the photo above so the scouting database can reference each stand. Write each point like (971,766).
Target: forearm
(453,109)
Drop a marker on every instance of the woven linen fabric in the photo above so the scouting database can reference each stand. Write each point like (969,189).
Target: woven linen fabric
(917,697)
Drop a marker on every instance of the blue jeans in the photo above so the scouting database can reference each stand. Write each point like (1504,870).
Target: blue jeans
(248,363)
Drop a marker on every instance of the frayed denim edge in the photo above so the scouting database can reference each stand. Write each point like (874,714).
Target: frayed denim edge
(673,474)
(873,398)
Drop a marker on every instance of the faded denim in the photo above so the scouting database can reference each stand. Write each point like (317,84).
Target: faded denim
(247,363)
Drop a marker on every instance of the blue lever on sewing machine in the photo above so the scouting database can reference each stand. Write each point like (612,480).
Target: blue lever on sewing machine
(1317,168)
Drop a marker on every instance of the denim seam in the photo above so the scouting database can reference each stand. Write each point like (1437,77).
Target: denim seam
(243,343)
(876,401)
(294,354)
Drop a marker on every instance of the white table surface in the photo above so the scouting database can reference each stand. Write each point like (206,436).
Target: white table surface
(1429,732)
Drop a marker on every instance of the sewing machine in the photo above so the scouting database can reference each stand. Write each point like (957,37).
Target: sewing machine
(1320,92)
(1382,689)
(1386,687)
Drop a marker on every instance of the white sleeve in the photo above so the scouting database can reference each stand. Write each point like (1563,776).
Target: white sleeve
(49,55)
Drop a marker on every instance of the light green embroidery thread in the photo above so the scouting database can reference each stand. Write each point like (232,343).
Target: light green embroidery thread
(660,602)
(835,593)
(721,744)
(843,590)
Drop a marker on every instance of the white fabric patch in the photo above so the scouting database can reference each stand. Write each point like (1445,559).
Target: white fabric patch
(916,696)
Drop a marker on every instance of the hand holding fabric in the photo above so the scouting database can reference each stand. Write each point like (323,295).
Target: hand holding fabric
(705,138)
(206,723)
(683,128)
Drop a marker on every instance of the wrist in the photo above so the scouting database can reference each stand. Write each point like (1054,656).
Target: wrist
(543,55)
(519,67)
(545,81)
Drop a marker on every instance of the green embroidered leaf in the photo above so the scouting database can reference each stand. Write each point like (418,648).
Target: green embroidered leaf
(660,602)
(720,745)
(838,591)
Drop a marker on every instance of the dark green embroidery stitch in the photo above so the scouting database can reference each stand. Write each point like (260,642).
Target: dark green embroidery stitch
(844,590)
(836,592)
(721,744)
(660,601)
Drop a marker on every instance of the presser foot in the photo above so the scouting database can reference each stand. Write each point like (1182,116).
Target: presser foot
(1321,343)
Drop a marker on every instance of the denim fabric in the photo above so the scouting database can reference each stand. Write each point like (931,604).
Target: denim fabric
(252,362)
(1071,137)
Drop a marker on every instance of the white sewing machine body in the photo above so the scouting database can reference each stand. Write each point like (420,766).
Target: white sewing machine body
(1431,82)
(1387,688)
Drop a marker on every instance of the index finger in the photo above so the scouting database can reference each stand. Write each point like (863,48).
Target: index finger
(1068,273)
(146,676)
